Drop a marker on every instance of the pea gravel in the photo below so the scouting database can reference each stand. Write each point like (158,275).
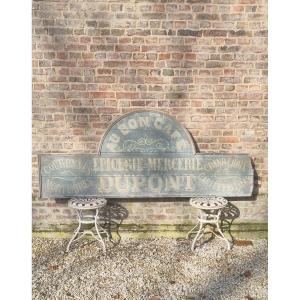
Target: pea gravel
(157,269)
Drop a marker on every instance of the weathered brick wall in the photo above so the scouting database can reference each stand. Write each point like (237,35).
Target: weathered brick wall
(202,61)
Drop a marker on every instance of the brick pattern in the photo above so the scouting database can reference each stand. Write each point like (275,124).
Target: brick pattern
(202,61)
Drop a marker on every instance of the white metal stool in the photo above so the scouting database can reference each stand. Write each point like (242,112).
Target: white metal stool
(210,209)
(87,210)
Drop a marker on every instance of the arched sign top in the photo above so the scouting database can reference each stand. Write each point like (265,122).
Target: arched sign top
(146,132)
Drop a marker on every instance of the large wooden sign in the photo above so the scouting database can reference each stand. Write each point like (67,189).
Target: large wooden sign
(146,154)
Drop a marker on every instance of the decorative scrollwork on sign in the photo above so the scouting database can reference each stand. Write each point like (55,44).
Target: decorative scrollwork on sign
(146,132)
(146,145)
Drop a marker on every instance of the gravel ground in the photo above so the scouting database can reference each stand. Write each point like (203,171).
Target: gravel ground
(157,269)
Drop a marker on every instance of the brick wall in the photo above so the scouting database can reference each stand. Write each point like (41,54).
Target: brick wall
(202,61)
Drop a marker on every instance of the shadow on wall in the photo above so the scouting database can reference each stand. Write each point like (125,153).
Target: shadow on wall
(229,214)
(112,216)
(194,142)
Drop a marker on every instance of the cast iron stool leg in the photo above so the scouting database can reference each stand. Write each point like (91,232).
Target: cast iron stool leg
(198,235)
(223,237)
(98,232)
(75,233)
(192,230)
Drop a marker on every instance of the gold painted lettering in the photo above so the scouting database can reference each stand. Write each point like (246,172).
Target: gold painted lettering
(113,141)
(123,128)
(144,121)
(114,138)
(168,129)
(158,123)
(176,135)
(122,184)
(189,183)
(155,183)
(138,183)
(173,183)
(132,123)
(106,184)
(153,164)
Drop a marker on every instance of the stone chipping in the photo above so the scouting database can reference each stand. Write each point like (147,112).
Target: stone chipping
(149,269)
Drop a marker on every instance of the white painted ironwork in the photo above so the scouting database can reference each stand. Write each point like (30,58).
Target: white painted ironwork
(210,209)
(87,210)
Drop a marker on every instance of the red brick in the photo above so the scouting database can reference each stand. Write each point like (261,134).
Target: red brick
(113,64)
(229,139)
(40,86)
(127,48)
(238,8)
(154,48)
(158,7)
(97,95)
(182,80)
(141,64)
(105,79)
(126,95)
(163,56)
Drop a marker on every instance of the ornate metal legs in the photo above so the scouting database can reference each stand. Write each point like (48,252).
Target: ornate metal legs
(207,218)
(99,230)
(75,234)
(198,235)
(222,237)
(88,219)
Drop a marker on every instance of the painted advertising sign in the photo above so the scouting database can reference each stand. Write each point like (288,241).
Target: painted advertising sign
(146,154)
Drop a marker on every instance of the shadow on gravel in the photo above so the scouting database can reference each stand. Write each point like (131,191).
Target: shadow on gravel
(223,285)
(230,280)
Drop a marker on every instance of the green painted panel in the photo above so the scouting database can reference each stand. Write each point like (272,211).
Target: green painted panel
(130,177)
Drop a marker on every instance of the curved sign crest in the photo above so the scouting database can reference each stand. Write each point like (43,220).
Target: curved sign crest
(146,132)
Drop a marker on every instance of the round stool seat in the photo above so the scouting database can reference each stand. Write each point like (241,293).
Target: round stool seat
(208,202)
(86,203)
